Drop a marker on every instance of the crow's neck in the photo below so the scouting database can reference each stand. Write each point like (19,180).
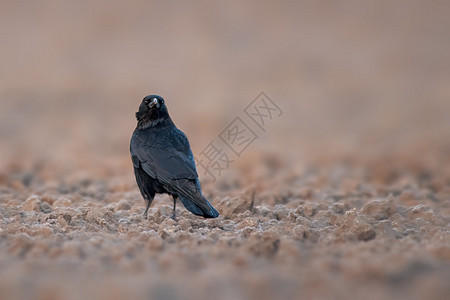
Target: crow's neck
(153,121)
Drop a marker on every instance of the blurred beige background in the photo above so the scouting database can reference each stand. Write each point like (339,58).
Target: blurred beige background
(350,76)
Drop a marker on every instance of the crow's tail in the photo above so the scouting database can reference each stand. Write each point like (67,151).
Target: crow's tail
(207,211)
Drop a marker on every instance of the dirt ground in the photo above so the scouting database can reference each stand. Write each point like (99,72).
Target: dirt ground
(345,195)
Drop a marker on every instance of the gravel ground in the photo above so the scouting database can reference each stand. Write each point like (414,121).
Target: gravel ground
(334,231)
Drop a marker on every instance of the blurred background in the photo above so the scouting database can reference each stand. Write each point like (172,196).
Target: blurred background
(359,82)
(350,76)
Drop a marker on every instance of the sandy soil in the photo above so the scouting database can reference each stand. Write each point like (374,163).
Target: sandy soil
(346,195)
(325,232)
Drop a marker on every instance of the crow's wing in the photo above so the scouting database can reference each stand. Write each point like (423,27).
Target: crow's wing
(172,166)
(164,160)
(158,163)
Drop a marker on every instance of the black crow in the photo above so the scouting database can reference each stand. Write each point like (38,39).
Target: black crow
(163,160)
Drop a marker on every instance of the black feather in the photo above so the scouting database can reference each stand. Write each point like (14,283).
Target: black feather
(163,160)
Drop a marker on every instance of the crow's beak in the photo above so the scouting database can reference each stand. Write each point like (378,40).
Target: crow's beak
(153,103)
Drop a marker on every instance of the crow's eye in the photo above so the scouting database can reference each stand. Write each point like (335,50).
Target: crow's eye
(147,101)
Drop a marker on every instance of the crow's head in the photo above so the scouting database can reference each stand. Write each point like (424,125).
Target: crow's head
(152,111)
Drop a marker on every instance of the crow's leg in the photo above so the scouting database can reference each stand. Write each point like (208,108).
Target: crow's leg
(174,206)
(149,201)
